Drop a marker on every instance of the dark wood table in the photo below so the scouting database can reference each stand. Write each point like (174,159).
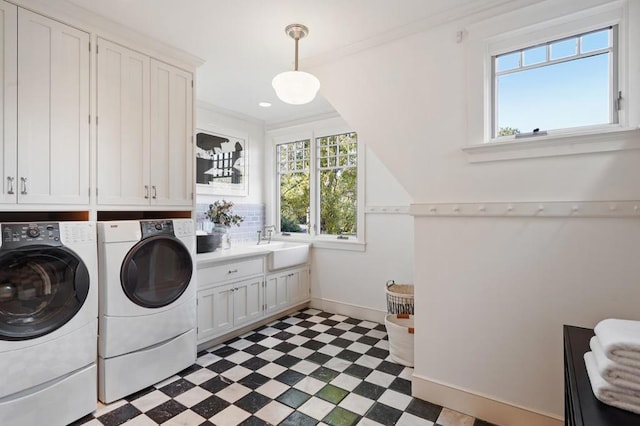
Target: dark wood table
(581,408)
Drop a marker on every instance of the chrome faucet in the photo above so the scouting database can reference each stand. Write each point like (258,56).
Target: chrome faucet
(268,231)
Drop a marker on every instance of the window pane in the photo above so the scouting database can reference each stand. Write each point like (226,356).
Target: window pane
(338,201)
(535,55)
(541,97)
(507,62)
(595,41)
(294,202)
(562,49)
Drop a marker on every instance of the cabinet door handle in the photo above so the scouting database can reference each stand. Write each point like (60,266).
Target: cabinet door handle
(155,192)
(233,271)
(10,182)
(24,185)
(146,192)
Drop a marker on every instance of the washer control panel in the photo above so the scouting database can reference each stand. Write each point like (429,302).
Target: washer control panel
(151,228)
(16,235)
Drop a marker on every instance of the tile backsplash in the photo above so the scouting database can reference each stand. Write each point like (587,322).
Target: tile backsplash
(247,232)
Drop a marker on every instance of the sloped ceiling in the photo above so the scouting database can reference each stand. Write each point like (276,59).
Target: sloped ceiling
(244,44)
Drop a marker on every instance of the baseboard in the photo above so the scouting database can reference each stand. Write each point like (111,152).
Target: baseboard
(208,344)
(349,310)
(479,406)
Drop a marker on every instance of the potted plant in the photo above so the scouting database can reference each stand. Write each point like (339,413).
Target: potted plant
(220,213)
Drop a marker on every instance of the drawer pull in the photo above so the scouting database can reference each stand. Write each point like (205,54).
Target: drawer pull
(233,271)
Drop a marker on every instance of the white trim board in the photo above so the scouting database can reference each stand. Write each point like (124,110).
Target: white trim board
(386,210)
(479,406)
(539,209)
(349,310)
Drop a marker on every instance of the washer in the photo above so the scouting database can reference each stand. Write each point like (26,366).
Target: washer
(147,313)
(48,322)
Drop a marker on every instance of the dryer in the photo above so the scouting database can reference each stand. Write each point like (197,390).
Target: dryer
(48,322)
(147,313)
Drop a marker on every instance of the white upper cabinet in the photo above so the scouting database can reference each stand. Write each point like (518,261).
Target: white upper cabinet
(47,62)
(8,101)
(171,135)
(123,126)
(145,116)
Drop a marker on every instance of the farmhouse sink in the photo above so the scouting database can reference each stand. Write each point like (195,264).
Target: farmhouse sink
(284,255)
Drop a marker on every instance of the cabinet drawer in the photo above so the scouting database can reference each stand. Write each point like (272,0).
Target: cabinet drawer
(223,272)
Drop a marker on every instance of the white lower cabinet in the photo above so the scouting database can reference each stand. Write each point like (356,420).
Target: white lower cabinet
(234,294)
(225,307)
(247,301)
(286,288)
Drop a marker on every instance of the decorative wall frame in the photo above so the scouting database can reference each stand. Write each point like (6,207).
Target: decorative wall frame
(222,166)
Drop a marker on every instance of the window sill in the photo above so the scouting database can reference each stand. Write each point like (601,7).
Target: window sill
(602,140)
(325,243)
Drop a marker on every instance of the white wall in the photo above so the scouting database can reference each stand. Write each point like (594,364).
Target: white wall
(492,293)
(215,119)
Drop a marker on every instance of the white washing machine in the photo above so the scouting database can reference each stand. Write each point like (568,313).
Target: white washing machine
(147,319)
(48,322)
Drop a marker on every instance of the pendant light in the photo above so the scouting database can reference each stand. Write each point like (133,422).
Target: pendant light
(296,87)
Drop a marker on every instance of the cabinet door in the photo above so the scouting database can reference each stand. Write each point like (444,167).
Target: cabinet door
(276,297)
(8,101)
(298,285)
(222,308)
(206,313)
(293,287)
(123,126)
(304,285)
(172,157)
(53,111)
(247,301)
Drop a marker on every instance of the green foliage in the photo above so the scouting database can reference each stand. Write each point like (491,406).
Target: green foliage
(338,201)
(221,212)
(508,131)
(287,224)
(337,182)
(294,200)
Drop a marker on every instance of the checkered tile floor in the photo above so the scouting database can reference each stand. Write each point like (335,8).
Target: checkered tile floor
(309,368)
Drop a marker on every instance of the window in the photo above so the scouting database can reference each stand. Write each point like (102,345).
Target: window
(317,185)
(561,84)
(568,71)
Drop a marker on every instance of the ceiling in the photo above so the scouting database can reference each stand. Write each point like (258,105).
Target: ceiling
(244,44)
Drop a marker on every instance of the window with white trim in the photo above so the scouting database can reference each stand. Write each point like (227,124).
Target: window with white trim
(317,186)
(565,83)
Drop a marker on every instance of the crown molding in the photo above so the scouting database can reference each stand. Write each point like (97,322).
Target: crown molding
(228,112)
(477,10)
(302,121)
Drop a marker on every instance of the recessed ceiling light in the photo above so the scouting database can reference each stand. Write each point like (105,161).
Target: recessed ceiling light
(265,104)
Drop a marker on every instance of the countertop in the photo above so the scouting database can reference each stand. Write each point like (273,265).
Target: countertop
(232,253)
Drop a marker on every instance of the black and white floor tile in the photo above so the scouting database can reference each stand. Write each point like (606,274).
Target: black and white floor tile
(310,368)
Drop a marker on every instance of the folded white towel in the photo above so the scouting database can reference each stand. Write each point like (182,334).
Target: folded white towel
(614,373)
(608,393)
(620,340)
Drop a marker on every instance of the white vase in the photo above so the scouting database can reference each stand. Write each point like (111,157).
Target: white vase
(223,233)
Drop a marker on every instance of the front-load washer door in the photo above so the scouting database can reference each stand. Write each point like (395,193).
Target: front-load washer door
(156,271)
(41,289)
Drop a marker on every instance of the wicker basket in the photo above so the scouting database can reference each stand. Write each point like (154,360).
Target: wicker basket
(399,298)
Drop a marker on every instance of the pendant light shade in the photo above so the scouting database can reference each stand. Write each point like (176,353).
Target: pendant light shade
(296,87)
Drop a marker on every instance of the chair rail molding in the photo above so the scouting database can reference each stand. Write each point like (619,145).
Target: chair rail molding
(540,209)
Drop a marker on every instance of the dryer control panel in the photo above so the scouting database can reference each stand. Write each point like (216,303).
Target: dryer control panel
(15,235)
(156,227)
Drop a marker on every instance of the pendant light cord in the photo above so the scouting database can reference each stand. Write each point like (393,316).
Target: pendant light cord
(296,39)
